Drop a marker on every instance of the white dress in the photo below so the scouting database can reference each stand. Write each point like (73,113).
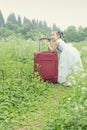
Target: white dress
(69,58)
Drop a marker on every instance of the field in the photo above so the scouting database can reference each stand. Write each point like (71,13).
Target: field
(28,103)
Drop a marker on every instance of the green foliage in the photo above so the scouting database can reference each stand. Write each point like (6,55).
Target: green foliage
(12,18)
(4,33)
(26,102)
(11,26)
(72,111)
(35,35)
(70,34)
(19,21)
(2,21)
(16,26)
(75,35)
(54,27)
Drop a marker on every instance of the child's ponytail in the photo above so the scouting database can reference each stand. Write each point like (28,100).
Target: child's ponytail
(59,32)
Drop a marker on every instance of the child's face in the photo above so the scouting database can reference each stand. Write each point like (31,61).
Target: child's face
(54,36)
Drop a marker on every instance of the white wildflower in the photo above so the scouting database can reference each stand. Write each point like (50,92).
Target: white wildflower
(74,82)
(84,89)
(85,60)
(84,48)
(81,107)
(85,102)
(76,108)
(83,75)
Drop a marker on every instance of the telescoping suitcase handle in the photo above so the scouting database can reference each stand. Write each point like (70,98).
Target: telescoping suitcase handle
(40,42)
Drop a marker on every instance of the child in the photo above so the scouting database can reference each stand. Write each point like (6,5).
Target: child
(69,57)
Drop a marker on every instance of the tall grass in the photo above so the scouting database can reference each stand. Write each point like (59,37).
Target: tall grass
(22,96)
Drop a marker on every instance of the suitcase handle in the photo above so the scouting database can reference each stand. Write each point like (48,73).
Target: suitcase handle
(40,42)
(44,38)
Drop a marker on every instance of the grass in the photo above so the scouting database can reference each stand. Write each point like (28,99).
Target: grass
(37,119)
(27,103)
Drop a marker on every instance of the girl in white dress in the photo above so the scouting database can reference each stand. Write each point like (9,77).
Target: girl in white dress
(69,57)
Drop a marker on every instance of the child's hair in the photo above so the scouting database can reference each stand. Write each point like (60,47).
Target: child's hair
(61,35)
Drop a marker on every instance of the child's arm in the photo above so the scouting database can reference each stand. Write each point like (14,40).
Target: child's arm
(53,48)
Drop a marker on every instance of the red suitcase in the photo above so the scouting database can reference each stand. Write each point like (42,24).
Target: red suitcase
(46,64)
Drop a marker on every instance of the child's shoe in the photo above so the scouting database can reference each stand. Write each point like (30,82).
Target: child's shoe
(67,83)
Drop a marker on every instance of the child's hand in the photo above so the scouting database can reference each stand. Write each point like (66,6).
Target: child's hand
(49,39)
(48,44)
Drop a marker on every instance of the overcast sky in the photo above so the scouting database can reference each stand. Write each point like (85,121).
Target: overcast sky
(61,12)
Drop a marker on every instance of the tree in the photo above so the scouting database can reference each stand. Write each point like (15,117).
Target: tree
(85,33)
(34,24)
(4,32)
(40,25)
(70,34)
(26,21)
(11,23)
(55,28)
(2,21)
(12,26)
(27,26)
(19,22)
(80,34)
(12,18)
(45,26)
